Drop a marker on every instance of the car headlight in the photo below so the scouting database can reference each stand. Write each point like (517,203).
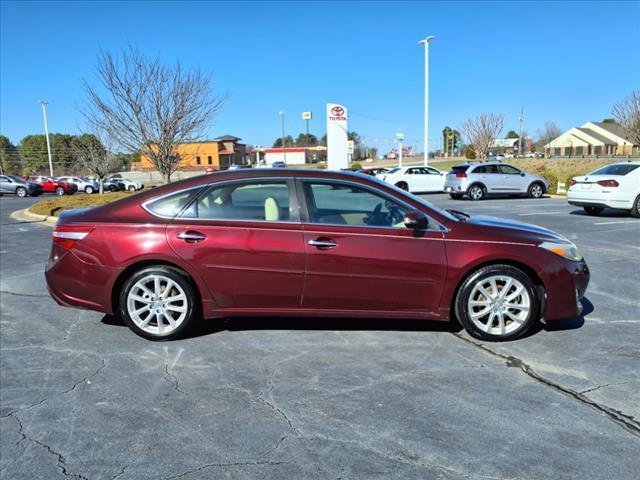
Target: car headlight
(564,249)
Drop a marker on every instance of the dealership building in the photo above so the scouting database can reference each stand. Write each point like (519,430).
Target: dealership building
(593,138)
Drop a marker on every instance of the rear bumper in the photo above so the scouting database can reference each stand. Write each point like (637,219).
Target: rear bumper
(607,199)
(74,283)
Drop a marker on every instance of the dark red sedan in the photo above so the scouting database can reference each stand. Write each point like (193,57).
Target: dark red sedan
(267,242)
(52,185)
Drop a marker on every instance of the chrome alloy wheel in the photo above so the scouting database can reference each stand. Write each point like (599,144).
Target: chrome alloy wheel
(499,305)
(157,304)
(476,193)
(536,191)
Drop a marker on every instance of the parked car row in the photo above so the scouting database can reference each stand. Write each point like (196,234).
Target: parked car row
(33,185)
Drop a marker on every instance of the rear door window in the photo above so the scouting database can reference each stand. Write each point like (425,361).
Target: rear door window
(509,170)
(263,201)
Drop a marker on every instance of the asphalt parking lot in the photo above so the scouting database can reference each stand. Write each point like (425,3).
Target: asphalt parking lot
(83,397)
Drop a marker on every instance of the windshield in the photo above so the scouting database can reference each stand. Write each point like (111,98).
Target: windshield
(617,169)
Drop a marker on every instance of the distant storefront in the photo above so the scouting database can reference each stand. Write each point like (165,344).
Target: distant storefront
(593,138)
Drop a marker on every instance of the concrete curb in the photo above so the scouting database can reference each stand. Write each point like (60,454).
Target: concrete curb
(27,216)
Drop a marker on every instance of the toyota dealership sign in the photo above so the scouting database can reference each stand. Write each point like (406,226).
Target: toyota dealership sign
(337,146)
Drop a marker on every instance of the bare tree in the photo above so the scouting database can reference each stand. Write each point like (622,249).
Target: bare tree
(549,132)
(150,107)
(94,154)
(627,114)
(481,131)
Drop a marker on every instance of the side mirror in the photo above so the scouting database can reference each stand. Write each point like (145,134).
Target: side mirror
(522,174)
(416,220)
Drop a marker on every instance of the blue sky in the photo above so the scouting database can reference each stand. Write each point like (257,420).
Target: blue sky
(566,62)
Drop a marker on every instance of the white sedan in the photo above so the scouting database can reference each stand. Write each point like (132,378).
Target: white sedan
(612,186)
(415,179)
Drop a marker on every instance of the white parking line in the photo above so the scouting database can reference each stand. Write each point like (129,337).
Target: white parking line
(541,213)
(613,223)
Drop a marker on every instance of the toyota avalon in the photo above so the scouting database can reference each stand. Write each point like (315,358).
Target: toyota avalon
(274,242)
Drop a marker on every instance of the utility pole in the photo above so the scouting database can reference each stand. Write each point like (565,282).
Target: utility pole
(521,118)
(46,133)
(400,139)
(425,42)
(284,147)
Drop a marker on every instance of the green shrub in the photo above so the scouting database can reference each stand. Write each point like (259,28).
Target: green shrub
(357,165)
(321,166)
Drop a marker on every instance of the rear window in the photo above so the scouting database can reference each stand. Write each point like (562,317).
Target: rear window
(459,169)
(393,170)
(171,205)
(618,169)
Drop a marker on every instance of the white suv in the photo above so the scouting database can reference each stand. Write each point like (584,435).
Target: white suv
(84,184)
(477,180)
(612,186)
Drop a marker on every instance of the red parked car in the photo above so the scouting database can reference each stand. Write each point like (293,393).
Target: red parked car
(52,185)
(267,242)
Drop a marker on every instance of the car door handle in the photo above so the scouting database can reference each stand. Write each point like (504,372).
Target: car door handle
(191,236)
(322,243)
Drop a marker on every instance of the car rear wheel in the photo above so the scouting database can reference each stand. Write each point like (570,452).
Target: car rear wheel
(403,185)
(476,192)
(89,190)
(21,192)
(536,190)
(635,210)
(158,303)
(498,302)
(593,210)
(59,191)
(113,188)
(132,188)
(456,196)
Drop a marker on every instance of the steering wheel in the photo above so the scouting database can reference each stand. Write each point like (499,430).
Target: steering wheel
(376,217)
(395,215)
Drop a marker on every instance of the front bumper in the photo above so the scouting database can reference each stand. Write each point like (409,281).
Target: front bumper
(564,288)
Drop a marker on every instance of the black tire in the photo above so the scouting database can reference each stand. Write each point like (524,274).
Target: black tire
(536,190)
(192,301)
(403,186)
(476,192)
(594,211)
(466,289)
(21,192)
(635,210)
(456,196)
(132,188)
(113,188)
(89,190)
(59,191)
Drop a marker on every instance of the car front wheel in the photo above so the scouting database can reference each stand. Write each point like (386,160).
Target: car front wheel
(497,302)
(536,190)
(89,190)
(159,303)
(21,192)
(59,191)
(403,186)
(132,188)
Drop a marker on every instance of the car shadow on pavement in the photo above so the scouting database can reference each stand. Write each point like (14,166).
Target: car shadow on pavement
(212,326)
(606,213)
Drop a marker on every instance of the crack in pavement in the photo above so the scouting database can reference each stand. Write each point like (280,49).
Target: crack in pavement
(227,464)
(170,377)
(625,421)
(46,399)
(603,386)
(274,407)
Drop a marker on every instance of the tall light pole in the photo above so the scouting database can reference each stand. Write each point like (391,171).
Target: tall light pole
(521,118)
(46,133)
(425,42)
(284,147)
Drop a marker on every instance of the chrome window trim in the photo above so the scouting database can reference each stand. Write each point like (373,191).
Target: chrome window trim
(160,197)
(440,227)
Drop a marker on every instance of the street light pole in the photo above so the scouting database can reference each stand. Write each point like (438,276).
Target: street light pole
(284,147)
(46,133)
(521,118)
(425,42)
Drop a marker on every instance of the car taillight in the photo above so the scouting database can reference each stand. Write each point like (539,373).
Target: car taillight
(461,175)
(68,236)
(608,183)
(572,183)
